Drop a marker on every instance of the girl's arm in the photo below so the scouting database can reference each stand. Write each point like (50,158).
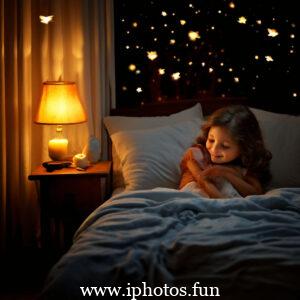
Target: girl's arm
(203,182)
(247,185)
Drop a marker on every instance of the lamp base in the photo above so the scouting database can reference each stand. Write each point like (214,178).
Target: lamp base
(58,149)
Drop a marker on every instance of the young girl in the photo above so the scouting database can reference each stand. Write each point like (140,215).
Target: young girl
(229,159)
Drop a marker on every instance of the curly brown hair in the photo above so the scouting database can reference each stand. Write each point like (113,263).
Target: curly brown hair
(245,130)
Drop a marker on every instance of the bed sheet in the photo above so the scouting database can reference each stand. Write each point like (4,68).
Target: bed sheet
(247,247)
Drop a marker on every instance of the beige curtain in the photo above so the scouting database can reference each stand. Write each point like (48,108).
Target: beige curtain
(77,46)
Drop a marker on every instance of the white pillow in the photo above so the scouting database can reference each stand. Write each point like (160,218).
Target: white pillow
(151,158)
(281,134)
(120,123)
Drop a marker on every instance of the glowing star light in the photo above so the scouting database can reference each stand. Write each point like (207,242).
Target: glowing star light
(176,76)
(272,32)
(164,14)
(152,55)
(182,22)
(46,19)
(269,58)
(193,35)
(242,20)
(231,5)
(139,90)
(132,67)
(172,42)
(161,71)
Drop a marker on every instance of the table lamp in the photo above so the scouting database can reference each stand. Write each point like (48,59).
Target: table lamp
(60,105)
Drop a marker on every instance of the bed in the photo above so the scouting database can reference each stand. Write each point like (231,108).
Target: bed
(150,239)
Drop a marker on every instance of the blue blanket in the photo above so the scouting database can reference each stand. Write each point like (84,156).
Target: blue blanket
(247,247)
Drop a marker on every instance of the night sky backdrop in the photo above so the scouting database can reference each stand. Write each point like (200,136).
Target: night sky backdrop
(171,49)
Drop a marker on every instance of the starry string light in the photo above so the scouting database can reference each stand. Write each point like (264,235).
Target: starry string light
(231,48)
(46,19)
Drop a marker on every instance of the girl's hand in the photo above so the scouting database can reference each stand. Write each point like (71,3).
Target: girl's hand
(220,171)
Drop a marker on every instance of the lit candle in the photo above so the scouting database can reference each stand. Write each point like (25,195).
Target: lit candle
(80,161)
(58,149)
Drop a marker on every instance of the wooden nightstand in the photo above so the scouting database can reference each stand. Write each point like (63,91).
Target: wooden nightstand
(67,197)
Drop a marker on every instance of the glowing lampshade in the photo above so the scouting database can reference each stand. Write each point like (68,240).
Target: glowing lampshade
(59,104)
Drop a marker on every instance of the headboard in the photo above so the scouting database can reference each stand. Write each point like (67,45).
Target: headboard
(166,108)
(209,104)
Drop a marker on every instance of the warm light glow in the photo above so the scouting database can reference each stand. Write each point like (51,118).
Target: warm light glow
(231,5)
(58,149)
(242,20)
(269,58)
(46,19)
(193,35)
(272,32)
(132,67)
(161,71)
(60,104)
(152,55)
(182,22)
(176,76)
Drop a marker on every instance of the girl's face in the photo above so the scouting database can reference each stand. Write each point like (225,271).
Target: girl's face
(221,146)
